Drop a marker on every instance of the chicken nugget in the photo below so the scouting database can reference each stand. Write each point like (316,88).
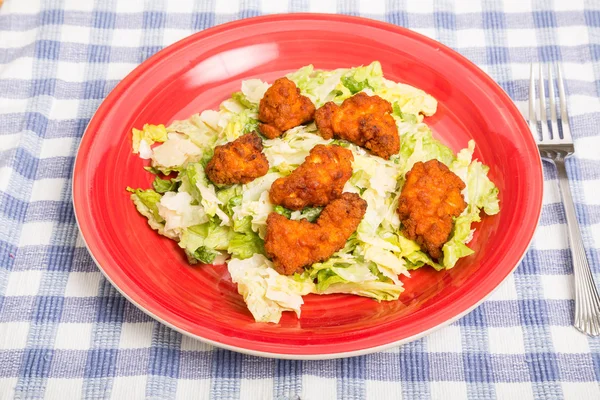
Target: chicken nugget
(429,200)
(282,108)
(363,120)
(292,245)
(317,181)
(240,161)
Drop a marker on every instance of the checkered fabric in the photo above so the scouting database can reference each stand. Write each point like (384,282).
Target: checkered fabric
(65,333)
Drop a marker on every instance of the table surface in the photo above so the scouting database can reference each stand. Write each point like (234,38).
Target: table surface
(65,332)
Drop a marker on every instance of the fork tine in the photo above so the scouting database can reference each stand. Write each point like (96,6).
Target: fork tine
(551,102)
(542,104)
(564,116)
(532,118)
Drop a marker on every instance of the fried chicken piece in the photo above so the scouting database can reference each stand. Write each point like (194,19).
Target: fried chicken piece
(429,199)
(240,161)
(292,245)
(317,181)
(363,120)
(282,108)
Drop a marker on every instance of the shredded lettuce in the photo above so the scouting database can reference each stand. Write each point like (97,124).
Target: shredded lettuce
(196,130)
(244,242)
(175,153)
(164,185)
(283,211)
(202,242)
(146,202)
(195,182)
(143,139)
(267,293)
(346,274)
(418,144)
(480,193)
(309,213)
(177,211)
(252,92)
(244,122)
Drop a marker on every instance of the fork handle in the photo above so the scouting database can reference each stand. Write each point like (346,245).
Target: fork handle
(587,300)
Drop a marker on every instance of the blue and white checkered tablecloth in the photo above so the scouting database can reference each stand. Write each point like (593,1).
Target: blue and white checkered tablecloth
(65,333)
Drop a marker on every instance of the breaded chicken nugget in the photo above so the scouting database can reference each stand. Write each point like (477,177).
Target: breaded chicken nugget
(429,199)
(292,245)
(282,108)
(361,119)
(240,161)
(317,181)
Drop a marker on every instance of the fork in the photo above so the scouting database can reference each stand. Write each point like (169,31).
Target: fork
(557,149)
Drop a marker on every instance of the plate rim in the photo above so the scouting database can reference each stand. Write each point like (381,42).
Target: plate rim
(138,70)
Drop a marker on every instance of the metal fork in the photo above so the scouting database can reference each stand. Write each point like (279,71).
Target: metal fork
(556,149)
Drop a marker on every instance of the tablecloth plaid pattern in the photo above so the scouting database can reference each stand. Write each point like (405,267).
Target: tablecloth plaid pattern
(66,333)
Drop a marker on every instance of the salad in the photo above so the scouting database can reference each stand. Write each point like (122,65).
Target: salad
(215,224)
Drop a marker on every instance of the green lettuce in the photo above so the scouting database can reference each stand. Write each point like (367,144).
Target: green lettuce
(242,99)
(195,182)
(243,241)
(480,194)
(419,145)
(318,86)
(408,99)
(175,153)
(196,130)
(146,202)
(164,185)
(283,211)
(143,139)
(179,212)
(230,197)
(309,213)
(358,79)
(343,273)
(405,117)
(202,242)
(244,122)
(267,293)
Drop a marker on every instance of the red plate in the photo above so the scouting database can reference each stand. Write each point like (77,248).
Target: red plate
(202,70)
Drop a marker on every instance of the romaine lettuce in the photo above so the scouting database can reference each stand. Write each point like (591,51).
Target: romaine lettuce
(267,293)
(143,139)
(177,211)
(146,202)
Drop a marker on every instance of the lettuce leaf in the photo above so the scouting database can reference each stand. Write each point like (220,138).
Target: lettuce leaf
(243,241)
(146,202)
(245,245)
(178,212)
(196,130)
(419,145)
(267,293)
(244,122)
(175,153)
(480,194)
(283,211)
(409,99)
(251,93)
(164,185)
(361,78)
(202,242)
(318,86)
(195,182)
(343,273)
(143,139)
(309,213)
